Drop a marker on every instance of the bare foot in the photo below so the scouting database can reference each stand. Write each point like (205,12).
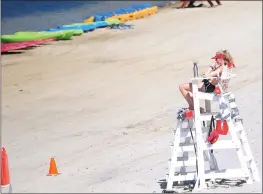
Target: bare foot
(213,6)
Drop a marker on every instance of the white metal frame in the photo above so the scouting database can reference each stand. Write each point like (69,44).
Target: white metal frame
(248,170)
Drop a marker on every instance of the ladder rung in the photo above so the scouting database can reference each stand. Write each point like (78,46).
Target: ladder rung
(186,149)
(207,116)
(226,174)
(223,174)
(187,177)
(222,144)
(187,133)
(190,162)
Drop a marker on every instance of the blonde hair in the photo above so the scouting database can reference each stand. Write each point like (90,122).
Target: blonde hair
(229,58)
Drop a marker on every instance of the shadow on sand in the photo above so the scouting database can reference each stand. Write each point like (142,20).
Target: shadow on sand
(188,186)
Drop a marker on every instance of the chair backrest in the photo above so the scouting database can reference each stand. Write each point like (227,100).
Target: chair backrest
(225,78)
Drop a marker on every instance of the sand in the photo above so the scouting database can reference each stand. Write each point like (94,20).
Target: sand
(104,104)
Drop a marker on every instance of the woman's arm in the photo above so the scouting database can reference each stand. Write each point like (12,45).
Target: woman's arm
(214,73)
(208,71)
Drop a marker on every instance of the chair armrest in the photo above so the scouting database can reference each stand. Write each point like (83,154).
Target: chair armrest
(201,78)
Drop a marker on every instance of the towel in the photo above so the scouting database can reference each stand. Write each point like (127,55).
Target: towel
(233,106)
(225,112)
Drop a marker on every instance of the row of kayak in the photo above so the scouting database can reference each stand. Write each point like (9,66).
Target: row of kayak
(26,39)
(126,14)
(86,27)
(64,32)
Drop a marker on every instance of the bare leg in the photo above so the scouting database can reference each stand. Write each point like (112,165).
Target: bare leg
(185,3)
(210,3)
(218,2)
(186,90)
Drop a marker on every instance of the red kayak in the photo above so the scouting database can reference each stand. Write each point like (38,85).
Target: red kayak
(19,45)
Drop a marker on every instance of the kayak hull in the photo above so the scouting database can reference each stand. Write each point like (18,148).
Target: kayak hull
(86,27)
(20,45)
(76,32)
(62,35)
(30,36)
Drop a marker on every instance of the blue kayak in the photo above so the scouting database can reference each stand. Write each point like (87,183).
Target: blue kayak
(84,27)
(101,24)
(141,6)
(130,9)
(73,28)
(120,11)
(76,32)
(102,16)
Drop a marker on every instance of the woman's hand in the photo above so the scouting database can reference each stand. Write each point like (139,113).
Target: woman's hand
(212,67)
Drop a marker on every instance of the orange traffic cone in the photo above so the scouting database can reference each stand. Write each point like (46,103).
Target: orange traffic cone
(5,179)
(53,168)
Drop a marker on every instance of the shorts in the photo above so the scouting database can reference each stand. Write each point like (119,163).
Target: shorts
(207,86)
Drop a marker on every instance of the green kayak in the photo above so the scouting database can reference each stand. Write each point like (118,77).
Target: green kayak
(63,35)
(29,36)
(113,21)
(80,24)
(77,32)
(67,34)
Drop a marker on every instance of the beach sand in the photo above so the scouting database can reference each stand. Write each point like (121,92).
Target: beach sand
(104,104)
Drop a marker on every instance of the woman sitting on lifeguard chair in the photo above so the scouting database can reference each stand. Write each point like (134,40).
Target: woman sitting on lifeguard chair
(222,58)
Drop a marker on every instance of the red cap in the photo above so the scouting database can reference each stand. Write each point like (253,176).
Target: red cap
(219,56)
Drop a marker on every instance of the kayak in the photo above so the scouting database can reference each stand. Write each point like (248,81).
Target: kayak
(76,32)
(113,21)
(141,6)
(29,36)
(63,34)
(73,28)
(87,26)
(103,16)
(67,34)
(90,19)
(19,45)
(99,24)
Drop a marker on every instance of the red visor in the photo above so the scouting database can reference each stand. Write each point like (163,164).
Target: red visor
(219,56)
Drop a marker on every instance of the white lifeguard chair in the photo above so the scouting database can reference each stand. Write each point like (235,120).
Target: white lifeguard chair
(182,156)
